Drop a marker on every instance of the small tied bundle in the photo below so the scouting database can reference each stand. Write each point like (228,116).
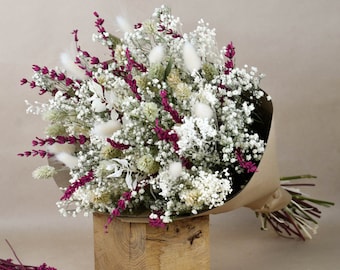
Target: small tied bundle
(164,126)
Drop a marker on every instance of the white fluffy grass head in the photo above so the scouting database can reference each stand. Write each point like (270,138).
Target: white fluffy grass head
(202,110)
(106,129)
(156,55)
(59,148)
(175,169)
(191,59)
(67,60)
(98,105)
(123,24)
(66,158)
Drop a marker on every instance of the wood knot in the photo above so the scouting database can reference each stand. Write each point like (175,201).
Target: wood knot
(196,235)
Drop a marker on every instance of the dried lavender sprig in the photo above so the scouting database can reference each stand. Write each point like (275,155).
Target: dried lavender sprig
(79,183)
(9,265)
(33,153)
(81,139)
(174,114)
(229,53)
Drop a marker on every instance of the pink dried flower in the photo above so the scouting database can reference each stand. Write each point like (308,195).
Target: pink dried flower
(138,25)
(60,139)
(166,135)
(119,146)
(121,204)
(168,108)
(41,153)
(9,265)
(77,184)
(229,53)
(32,84)
(162,28)
(156,221)
(36,68)
(44,70)
(248,165)
(23,81)
(127,195)
(95,60)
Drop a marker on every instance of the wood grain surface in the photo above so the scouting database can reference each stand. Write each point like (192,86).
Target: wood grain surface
(183,244)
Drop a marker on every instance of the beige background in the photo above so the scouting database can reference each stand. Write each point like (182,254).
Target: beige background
(296,43)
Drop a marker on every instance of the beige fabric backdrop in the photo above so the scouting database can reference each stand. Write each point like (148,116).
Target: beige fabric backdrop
(296,43)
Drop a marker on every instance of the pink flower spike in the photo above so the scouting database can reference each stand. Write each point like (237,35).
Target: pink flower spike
(138,25)
(121,204)
(168,108)
(230,51)
(77,61)
(100,22)
(127,195)
(108,222)
(229,64)
(75,34)
(33,153)
(68,81)
(95,60)
(36,68)
(23,81)
(248,165)
(53,74)
(61,77)
(115,212)
(158,223)
(166,135)
(32,84)
(86,54)
(77,184)
(82,139)
(42,91)
(45,70)
(116,145)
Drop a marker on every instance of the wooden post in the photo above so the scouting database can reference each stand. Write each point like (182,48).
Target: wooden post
(184,245)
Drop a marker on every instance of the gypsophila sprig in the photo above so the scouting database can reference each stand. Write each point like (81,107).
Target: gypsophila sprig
(166,126)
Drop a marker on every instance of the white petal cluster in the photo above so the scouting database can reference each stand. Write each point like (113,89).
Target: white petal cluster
(196,136)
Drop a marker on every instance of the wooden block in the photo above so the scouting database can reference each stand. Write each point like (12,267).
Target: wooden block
(183,245)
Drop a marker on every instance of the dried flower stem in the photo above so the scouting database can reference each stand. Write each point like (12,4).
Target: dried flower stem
(298,217)
(9,265)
